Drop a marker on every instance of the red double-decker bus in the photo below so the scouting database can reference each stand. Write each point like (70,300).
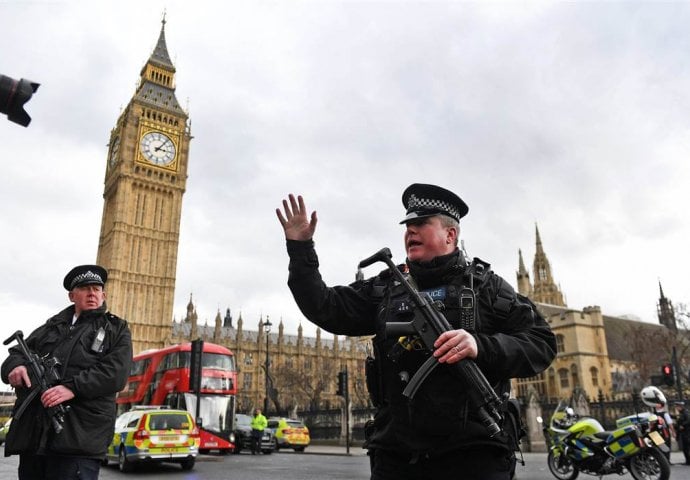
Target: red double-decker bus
(161,377)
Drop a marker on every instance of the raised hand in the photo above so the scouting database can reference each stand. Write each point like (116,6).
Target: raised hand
(296,224)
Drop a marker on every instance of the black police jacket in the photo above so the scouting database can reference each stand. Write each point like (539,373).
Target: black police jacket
(95,371)
(513,340)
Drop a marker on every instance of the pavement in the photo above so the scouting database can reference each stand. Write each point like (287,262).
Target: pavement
(325,449)
(357,450)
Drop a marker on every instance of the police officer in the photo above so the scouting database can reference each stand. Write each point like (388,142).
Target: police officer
(437,434)
(258,424)
(683,430)
(94,349)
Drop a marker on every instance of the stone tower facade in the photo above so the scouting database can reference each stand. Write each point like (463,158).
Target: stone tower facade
(145,180)
(582,359)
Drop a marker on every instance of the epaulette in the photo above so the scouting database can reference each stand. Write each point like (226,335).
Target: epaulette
(112,318)
(381,281)
(386,274)
(479,269)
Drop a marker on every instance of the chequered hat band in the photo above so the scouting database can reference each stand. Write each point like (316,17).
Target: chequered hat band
(86,277)
(434,203)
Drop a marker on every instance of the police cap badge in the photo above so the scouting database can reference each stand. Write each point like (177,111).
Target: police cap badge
(422,200)
(85,275)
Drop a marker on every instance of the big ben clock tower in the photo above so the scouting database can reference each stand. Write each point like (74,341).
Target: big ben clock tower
(145,179)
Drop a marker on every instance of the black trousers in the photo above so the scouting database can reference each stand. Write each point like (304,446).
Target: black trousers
(684,442)
(55,467)
(256,440)
(478,463)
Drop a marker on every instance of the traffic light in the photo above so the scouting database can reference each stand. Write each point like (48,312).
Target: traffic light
(667,373)
(342,383)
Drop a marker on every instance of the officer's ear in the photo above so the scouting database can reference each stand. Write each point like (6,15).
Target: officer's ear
(452,235)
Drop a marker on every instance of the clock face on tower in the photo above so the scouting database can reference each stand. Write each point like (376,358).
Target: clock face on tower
(158,148)
(114,150)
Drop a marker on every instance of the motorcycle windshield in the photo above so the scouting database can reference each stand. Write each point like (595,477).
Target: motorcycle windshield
(561,420)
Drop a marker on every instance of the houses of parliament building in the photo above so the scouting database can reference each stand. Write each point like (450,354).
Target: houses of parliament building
(145,180)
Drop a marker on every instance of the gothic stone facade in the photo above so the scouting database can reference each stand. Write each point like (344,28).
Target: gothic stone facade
(302,371)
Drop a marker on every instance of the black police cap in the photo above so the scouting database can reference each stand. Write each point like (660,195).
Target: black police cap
(85,275)
(422,200)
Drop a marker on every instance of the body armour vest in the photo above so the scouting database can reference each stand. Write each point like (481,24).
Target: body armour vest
(439,413)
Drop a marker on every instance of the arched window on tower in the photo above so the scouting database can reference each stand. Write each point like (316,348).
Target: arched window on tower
(563,376)
(560,343)
(594,373)
(552,382)
(573,374)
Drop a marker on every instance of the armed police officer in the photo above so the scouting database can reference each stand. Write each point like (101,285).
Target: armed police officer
(93,350)
(437,433)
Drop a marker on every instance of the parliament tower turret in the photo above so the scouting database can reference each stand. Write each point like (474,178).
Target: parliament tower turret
(667,315)
(523,282)
(545,289)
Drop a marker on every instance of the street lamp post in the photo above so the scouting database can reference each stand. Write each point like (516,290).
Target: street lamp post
(267,330)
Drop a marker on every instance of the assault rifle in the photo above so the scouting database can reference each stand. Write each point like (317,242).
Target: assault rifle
(428,324)
(45,372)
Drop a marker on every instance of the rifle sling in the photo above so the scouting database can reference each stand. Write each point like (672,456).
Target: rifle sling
(20,410)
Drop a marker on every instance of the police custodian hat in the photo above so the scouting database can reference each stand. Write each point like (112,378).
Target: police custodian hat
(422,200)
(85,275)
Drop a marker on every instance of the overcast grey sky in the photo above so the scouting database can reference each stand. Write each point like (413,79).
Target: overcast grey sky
(574,116)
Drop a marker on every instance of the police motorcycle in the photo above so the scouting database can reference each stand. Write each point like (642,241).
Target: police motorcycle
(580,444)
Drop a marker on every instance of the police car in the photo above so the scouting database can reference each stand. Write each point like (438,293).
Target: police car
(154,434)
(290,433)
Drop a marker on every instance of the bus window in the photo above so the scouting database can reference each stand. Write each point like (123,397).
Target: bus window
(174,360)
(139,367)
(218,361)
